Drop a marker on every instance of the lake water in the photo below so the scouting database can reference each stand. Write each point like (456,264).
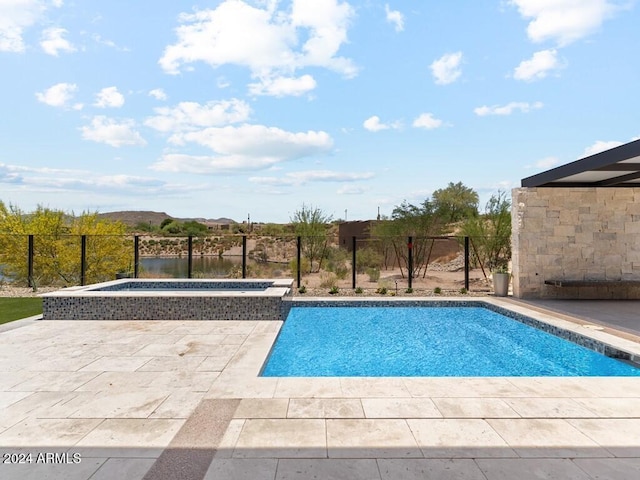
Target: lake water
(176,267)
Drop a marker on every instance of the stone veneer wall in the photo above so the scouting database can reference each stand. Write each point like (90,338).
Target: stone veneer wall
(163,308)
(585,234)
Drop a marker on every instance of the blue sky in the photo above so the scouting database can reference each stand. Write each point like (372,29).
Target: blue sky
(237,107)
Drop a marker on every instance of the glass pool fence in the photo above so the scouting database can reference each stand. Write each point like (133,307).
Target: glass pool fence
(384,265)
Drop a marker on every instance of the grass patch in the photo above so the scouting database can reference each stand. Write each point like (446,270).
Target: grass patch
(19,307)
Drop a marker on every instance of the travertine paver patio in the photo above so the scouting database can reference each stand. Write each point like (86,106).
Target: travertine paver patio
(182,399)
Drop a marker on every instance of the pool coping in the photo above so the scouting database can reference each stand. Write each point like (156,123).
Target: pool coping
(277,287)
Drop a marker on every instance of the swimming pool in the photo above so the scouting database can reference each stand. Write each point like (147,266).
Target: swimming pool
(435,341)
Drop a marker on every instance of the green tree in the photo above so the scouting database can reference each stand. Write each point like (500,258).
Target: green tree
(455,202)
(57,246)
(165,222)
(194,228)
(490,233)
(144,227)
(311,223)
(173,227)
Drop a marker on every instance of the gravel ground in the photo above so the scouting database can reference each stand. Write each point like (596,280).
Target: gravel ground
(348,292)
(11,291)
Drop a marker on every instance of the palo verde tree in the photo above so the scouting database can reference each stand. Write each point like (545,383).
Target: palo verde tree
(408,220)
(312,224)
(490,233)
(57,248)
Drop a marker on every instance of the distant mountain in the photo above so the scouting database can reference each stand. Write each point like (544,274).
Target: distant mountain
(132,218)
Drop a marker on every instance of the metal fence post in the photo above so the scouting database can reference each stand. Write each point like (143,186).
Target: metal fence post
(190,257)
(353,263)
(30,263)
(298,258)
(244,256)
(136,255)
(466,263)
(83,259)
(410,261)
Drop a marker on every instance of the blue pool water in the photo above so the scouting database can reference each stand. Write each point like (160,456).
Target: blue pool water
(425,341)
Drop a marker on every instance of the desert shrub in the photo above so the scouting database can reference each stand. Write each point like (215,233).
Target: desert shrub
(338,262)
(341,272)
(374,274)
(437,290)
(302,289)
(334,290)
(305,266)
(328,280)
(359,290)
(367,258)
(409,290)
(381,290)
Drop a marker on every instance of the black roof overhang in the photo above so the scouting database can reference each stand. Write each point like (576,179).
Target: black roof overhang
(617,167)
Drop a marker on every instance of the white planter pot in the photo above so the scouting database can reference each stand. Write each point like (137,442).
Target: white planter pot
(501,284)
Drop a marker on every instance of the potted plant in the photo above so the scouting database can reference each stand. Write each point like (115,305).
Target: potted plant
(501,277)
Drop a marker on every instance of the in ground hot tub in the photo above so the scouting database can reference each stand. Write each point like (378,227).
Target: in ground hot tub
(170,299)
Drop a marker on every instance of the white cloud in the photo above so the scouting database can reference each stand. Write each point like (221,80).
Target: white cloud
(538,66)
(18,15)
(109,43)
(394,17)
(114,133)
(282,86)
(350,190)
(446,69)
(158,94)
(58,180)
(564,21)
(547,162)
(53,41)
(260,141)
(100,183)
(507,109)
(427,121)
(109,97)
(212,165)
(325,23)
(219,36)
(247,147)
(15,16)
(8,174)
(373,124)
(301,178)
(192,115)
(59,95)
(600,146)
